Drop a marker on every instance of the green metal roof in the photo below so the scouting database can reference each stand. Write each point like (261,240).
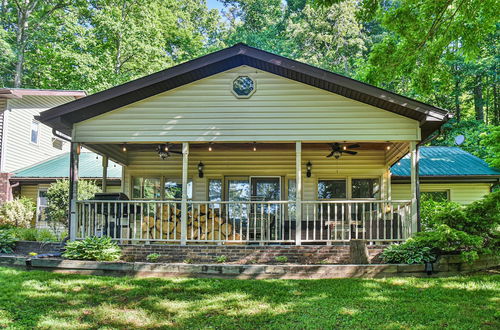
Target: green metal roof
(58,167)
(445,161)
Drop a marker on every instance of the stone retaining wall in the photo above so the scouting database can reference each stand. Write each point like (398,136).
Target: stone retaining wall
(26,247)
(446,266)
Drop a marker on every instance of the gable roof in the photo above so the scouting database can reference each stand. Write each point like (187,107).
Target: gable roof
(64,116)
(58,167)
(440,163)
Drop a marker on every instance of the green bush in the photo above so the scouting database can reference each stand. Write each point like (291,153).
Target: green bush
(93,248)
(18,212)
(58,199)
(409,252)
(7,241)
(153,257)
(34,234)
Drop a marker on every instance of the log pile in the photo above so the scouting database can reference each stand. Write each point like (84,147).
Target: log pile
(204,224)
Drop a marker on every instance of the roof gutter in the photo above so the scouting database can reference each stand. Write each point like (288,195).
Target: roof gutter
(58,135)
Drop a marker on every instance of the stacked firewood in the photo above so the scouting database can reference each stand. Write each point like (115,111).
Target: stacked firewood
(204,224)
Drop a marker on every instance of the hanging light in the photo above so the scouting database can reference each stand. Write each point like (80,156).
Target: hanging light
(166,147)
(124,148)
(254,146)
(308,168)
(337,154)
(210,146)
(388,148)
(200,169)
(344,147)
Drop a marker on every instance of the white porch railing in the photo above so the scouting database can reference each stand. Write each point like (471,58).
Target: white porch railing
(241,222)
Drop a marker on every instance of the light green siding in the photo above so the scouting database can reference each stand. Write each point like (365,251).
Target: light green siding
(279,110)
(463,193)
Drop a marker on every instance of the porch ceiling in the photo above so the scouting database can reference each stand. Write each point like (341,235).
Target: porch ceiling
(114,151)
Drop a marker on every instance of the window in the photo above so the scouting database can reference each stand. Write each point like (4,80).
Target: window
(243,86)
(215,190)
(332,189)
(173,189)
(41,205)
(437,196)
(35,127)
(365,188)
(146,188)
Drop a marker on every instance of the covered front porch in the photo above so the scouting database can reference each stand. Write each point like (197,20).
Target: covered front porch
(248,193)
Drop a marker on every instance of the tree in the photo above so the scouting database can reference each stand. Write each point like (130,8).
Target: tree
(25,21)
(58,199)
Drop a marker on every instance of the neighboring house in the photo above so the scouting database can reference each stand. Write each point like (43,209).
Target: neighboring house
(243,146)
(33,181)
(23,139)
(446,173)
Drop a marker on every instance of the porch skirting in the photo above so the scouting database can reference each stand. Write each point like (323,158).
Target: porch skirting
(304,254)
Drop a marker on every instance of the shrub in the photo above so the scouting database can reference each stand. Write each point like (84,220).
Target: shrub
(410,252)
(93,248)
(18,212)
(58,199)
(33,234)
(221,259)
(7,241)
(281,259)
(153,257)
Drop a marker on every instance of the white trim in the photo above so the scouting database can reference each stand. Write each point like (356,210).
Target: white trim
(6,113)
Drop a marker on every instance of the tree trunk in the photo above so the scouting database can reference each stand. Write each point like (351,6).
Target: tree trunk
(478,98)
(358,252)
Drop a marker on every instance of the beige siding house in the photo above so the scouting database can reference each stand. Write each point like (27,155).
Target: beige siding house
(246,147)
(23,139)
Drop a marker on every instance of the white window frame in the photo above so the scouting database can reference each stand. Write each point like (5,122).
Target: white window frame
(348,180)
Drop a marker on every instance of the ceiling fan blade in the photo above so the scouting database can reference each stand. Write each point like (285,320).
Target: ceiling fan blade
(330,155)
(175,152)
(350,152)
(353,146)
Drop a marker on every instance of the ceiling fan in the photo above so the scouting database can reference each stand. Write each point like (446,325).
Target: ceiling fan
(164,151)
(337,149)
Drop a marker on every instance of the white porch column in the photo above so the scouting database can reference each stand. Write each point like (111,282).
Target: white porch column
(185,165)
(104,183)
(414,187)
(73,189)
(298,197)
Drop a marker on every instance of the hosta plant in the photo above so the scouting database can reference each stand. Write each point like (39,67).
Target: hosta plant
(93,248)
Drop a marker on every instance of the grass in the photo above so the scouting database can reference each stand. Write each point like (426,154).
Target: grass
(38,299)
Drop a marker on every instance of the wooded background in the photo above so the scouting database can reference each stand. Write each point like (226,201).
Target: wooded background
(443,52)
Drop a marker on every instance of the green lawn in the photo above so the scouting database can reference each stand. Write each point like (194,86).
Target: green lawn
(46,300)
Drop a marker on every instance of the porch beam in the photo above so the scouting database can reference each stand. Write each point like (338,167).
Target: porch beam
(104,183)
(415,187)
(185,166)
(298,197)
(73,189)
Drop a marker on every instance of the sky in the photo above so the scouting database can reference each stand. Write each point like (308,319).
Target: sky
(214,4)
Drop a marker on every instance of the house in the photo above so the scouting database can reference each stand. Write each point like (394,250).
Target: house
(34,180)
(446,173)
(23,139)
(242,146)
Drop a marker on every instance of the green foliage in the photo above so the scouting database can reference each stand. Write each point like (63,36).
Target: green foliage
(18,212)
(491,143)
(221,259)
(34,234)
(93,248)
(410,252)
(7,241)
(468,230)
(153,257)
(58,199)
(281,259)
